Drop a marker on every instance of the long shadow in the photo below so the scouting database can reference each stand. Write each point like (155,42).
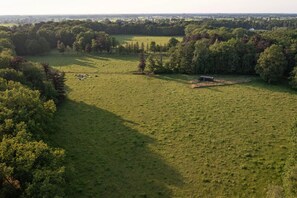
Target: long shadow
(63,60)
(115,56)
(80,59)
(106,158)
(123,38)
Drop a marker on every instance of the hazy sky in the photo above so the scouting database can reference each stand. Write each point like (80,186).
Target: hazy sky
(145,6)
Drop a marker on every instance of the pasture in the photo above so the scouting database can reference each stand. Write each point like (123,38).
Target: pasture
(146,40)
(8,24)
(137,136)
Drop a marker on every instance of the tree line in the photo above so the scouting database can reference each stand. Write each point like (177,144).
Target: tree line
(271,54)
(264,23)
(29,92)
(40,38)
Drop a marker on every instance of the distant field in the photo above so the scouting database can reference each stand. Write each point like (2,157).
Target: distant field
(145,39)
(7,24)
(137,136)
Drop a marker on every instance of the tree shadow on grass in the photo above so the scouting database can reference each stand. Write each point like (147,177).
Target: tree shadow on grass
(106,158)
(64,60)
(124,38)
(115,56)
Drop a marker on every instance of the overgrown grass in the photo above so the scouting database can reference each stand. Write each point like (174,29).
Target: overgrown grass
(128,135)
(146,40)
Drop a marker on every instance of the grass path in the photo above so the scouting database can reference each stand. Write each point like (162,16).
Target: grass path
(135,136)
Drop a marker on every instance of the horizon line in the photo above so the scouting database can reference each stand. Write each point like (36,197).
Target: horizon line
(164,13)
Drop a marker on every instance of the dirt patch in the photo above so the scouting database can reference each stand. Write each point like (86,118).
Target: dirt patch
(218,82)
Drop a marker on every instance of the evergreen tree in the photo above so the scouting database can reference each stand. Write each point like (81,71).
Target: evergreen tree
(142,62)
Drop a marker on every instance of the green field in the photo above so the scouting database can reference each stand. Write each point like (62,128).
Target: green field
(8,24)
(137,136)
(161,40)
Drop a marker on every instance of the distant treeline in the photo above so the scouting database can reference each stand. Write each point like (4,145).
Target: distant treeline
(80,35)
(209,46)
(248,23)
(42,37)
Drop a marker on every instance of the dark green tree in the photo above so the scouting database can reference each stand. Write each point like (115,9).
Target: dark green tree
(153,46)
(201,59)
(272,64)
(142,62)
(88,48)
(172,42)
(61,47)
(293,78)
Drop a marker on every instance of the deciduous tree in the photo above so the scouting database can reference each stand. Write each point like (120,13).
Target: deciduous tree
(272,64)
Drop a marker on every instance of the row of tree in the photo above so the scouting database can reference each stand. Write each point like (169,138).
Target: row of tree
(85,35)
(151,47)
(265,23)
(90,41)
(41,38)
(271,54)
(29,167)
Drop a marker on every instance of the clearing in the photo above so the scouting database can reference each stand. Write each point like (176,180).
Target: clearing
(146,40)
(137,136)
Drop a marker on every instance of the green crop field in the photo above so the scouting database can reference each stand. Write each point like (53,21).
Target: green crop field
(161,40)
(130,135)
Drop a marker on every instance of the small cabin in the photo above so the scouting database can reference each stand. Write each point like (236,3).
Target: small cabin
(206,78)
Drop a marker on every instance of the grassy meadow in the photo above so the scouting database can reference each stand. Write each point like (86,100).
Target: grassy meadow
(8,24)
(146,40)
(137,136)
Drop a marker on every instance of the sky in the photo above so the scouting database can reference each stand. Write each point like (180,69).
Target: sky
(39,7)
